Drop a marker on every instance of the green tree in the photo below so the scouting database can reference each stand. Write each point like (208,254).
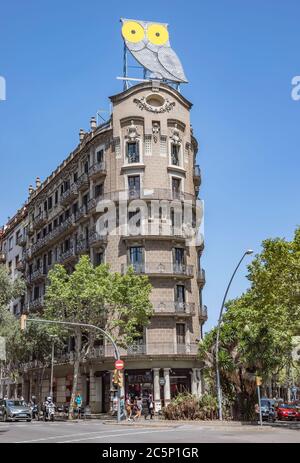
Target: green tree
(94,295)
(258,327)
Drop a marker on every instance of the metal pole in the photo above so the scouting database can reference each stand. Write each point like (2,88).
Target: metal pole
(51,377)
(259,404)
(219,389)
(86,325)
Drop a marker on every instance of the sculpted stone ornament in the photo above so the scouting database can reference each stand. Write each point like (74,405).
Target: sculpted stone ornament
(175,137)
(165,108)
(155,130)
(132,133)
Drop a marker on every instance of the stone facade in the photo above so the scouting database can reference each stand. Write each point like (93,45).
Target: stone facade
(143,158)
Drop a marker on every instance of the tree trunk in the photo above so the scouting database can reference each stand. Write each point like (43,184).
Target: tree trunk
(76,371)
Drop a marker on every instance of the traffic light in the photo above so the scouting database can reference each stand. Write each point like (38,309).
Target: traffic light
(120,379)
(115,379)
(23,322)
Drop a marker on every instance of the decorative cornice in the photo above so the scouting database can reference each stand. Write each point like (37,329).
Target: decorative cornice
(165,108)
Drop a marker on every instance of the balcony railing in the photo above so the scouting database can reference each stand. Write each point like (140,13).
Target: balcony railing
(96,238)
(82,246)
(82,182)
(160,269)
(36,304)
(67,255)
(40,220)
(52,236)
(201,276)
(20,266)
(69,195)
(81,212)
(174,307)
(37,274)
(203,312)
(22,240)
(97,169)
(197,175)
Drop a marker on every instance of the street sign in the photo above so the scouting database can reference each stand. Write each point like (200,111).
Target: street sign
(2,349)
(119,364)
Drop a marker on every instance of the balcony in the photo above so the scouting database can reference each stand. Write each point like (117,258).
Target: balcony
(69,195)
(203,313)
(96,239)
(155,230)
(161,269)
(40,220)
(83,182)
(36,304)
(197,175)
(201,277)
(68,256)
(22,240)
(163,348)
(82,246)
(2,257)
(97,170)
(37,275)
(81,213)
(64,227)
(174,308)
(20,266)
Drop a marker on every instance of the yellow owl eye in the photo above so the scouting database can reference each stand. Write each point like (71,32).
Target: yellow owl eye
(158,34)
(133,31)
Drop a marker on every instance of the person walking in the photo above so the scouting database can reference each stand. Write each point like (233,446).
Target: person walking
(150,407)
(78,402)
(128,407)
(138,407)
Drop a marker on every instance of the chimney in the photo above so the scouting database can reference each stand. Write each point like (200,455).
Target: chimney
(38,182)
(93,123)
(81,135)
(30,190)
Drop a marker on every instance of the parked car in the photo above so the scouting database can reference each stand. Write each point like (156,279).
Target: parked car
(267,409)
(287,412)
(14,410)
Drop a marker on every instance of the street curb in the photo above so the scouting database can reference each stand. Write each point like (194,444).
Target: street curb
(171,423)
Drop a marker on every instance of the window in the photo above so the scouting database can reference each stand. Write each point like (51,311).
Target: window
(61,188)
(180,333)
(75,177)
(36,292)
(133,152)
(50,228)
(163,145)
(18,236)
(56,197)
(67,214)
(134,186)
(136,258)
(99,258)
(55,223)
(175,150)
(179,293)
(50,202)
(44,232)
(179,257)
(98,190)
(75,208)
(10,267)
(45,206)
(176,186)
(86,167)
(100,156)
(50,258)
(10,243)
(148,145)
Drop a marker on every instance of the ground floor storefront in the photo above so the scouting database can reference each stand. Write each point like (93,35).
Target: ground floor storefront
(162,378)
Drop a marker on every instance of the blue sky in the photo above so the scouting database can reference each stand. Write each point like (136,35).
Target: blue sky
(60,60)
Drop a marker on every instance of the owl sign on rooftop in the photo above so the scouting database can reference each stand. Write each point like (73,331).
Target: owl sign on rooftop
(149,44)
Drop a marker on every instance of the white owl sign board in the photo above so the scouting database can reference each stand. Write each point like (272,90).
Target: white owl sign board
(149,44)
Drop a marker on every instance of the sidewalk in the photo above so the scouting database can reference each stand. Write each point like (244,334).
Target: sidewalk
(175,423)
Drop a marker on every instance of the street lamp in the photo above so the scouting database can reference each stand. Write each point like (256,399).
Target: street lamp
(52,336)
(219,389)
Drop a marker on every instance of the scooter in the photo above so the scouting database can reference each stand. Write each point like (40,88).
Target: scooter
(49,413)
(34,411)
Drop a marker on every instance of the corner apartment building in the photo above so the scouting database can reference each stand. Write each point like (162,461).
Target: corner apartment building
(143,161)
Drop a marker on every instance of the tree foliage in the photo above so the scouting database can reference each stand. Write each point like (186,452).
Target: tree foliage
(258,327)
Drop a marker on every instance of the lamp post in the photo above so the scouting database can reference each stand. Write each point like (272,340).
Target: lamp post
(219,389)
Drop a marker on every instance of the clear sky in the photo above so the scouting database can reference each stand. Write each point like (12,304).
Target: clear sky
(60,60)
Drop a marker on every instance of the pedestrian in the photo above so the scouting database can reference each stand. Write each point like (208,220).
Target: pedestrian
(78,402)
(128,407)
(122,408)
(256,409)
(150,407)
(138,406)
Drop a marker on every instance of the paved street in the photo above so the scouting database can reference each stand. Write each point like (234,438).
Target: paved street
(96,431)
